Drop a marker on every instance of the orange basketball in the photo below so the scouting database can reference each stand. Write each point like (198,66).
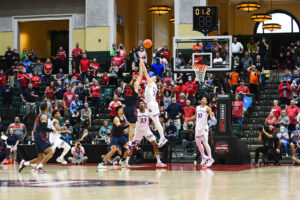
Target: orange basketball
(147,43)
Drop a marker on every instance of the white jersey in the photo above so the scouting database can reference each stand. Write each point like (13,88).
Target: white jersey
(142,123)
(57,134)
(202,117)
(150,93)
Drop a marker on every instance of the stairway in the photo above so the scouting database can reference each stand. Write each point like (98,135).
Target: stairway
(256,116)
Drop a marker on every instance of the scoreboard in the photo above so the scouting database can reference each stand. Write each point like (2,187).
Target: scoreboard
(205,19)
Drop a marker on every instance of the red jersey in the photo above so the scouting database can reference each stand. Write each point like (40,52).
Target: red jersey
(35,80)
(69,97)
(284,89)
(244,90)
(105,80)
(95,91)
(237,109)
(277,111)
(119,60)
(166,54)
(292,113)
(23,80)
(191,88)
(2,80)
(48,68)
(113,106)
(188,113)
(92,69)
(84,65)
(76,52)
(271,121)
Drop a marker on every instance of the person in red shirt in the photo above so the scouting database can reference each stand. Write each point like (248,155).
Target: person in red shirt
(84,66)
(191,88)
(276,109)
(75,75)
(292,112)
(48,68)
(242,89)
(94,68)
(95,94)
(112,107)
(49,91)
(120,62)
(189,115)
(238,112)
(284,95)
(180,89)
(76,53)
(36,82)
(61,56)
(197,48)
(105,79)
(69,96)
(3,78)
(24,79)
(166,53)
(17,70)
(271,120)
(197,60)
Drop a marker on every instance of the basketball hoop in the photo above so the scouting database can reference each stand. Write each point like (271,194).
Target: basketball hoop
(200,71)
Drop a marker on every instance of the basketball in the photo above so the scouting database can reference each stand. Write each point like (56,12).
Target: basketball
(147,43)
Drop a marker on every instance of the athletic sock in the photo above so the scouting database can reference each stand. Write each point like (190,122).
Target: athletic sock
(40,165)
(127,160)
(27,163)
(158,158)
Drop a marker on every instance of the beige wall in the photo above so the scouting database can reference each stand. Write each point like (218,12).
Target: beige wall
(6,39)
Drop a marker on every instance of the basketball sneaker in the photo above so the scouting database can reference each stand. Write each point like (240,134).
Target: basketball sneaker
(123,164)
(21,166)
(61,160)
(210,162)
(38,170)
(203,160)
(160,165)
(101,166)
(5,161)
(130,147)
(162,142)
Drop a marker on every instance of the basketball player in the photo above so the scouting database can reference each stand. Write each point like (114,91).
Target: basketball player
(43,144)
(130,92)
(118,138)
(201,131)
(55,140)
(152,105)
(142,129)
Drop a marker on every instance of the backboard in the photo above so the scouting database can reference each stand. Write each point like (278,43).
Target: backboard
(213,51)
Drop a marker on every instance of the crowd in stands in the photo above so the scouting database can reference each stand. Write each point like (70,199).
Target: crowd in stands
(79,96)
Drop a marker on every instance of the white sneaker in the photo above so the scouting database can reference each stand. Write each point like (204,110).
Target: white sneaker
(203,160)
(101,166)
(210,162)
(162,142)
(61,160)
(160,165)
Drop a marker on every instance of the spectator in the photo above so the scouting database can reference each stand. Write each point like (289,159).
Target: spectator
(242,89)
(209,83)
(174,112)
(246,63)
(19,129)
(28,97)
(60,76)
(74,76)
(284,95)
(24,54)
(9,56)
(238,112)
(36,82)
(39,67)
(295,140)
(259,64)
(3,79)
(12,143)
(119,61)
(189,115)
(119,93)
(181,89)
(104,128)
(61,56)
(7,94)
(171,132)
(213,105)
(122,50)
(86,138)
(78,154)
(182,100)
(59,91)
(84,67)
(76,53)
(276,109)
(179,61)
(262,50)
(143,54)
(165,53)
(95,96)
(284,121)
(271,120)
(234,79)
(3,152)
(292,112)
(167,98)
(271,144)
(105,79)
(189,140)
(252,47)
(28,65)
(157,68)
(113,50)
(24,79)
(218,60)
(75,108)
(191,88)
(112,107)
(283,136)
(60,107)
(86,115)
(49,91)
(69,132)
(68,97)
(17,69)
(114,71)
(81,93)
(93,69)
(237,48)
(48,68)
(254,82)
(33,56)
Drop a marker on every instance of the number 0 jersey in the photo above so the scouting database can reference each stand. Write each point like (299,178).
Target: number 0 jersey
(142,123)
(150,92)
(202,117)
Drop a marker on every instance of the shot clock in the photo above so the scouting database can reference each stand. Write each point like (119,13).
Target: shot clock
(205,19)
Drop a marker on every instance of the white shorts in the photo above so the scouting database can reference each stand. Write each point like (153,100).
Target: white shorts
(153,108)
(56,141)
(139,134)
(201,133)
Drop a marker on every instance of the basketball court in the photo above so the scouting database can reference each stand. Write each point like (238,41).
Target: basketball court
(178,181)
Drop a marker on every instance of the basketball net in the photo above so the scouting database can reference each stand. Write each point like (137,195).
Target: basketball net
(200,71)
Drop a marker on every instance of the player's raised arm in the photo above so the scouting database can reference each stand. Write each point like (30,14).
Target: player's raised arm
(149,81)
(138,81)
(211,113)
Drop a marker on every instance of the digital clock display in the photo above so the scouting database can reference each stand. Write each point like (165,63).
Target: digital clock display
(205,18)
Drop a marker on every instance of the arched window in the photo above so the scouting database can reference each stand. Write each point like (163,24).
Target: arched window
(288,23)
